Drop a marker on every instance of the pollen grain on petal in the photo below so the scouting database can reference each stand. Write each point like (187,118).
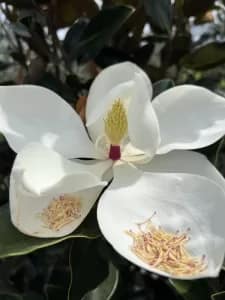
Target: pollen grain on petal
(165,251)
(61,211)
(116,124)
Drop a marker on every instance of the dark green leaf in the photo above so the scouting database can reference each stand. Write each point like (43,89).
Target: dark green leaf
(20,3)
(161,86)
(4,65)
(51,82)
(107,288)
(20,29)
(67,11)
(97,33)
(7,296)
(88,268)
(195,8)
(160,14)
(192,290)
(54,292)
(13,243)
(205,57)
(33,296)
(74,35)
(218,296)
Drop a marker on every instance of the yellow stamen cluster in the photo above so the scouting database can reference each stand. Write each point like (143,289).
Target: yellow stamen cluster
(165,251)
(61,211)
(116,123)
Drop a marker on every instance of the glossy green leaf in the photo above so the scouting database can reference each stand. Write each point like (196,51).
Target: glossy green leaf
(205,57)
(192,290)
(97,33)
(218,296)
(161,86)
(107,288)
(13,243)
(160,14)
(87,267)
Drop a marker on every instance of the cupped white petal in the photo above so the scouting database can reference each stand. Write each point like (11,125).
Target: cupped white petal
(190,117)
(117,81)
(107,81)
(39,179)
(180,201)
(35,114)
(143,127)
(181,161)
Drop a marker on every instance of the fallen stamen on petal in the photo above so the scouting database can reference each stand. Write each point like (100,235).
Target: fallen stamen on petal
(61,211)
(165,250)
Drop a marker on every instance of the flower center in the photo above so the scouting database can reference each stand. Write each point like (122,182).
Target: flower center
(116,126)
(61,211)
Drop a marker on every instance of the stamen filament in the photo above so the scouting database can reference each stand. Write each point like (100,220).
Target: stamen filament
(61,211)
(164,250)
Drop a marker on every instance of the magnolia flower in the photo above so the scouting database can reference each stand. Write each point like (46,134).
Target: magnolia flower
(156,181)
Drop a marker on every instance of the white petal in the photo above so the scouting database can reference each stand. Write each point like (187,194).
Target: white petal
(181,161)
(40,175)
(180,201)
(189,117)
(35,114)
(106,81)
(143,127)
(117,81)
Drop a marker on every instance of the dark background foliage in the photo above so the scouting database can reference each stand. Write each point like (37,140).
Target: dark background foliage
(63,45)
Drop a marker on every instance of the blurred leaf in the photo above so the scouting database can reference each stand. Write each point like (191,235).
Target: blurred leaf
(161,86)
(206,17)
(4,65)
(107,288)
(218,296)
(129,36)
(20,29)
(67,11)
(142,54)
(74,35)
(195,7)
(192,290)
(88,268)
(216,161)
(205,57)
(4,296)
(37,42)
(180,46)
(57,285)
(97,32)
(51,82)
(15,243)
(36,70)
(20,3)
(54,292)
(109,56)
(160,14)
(33,296)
